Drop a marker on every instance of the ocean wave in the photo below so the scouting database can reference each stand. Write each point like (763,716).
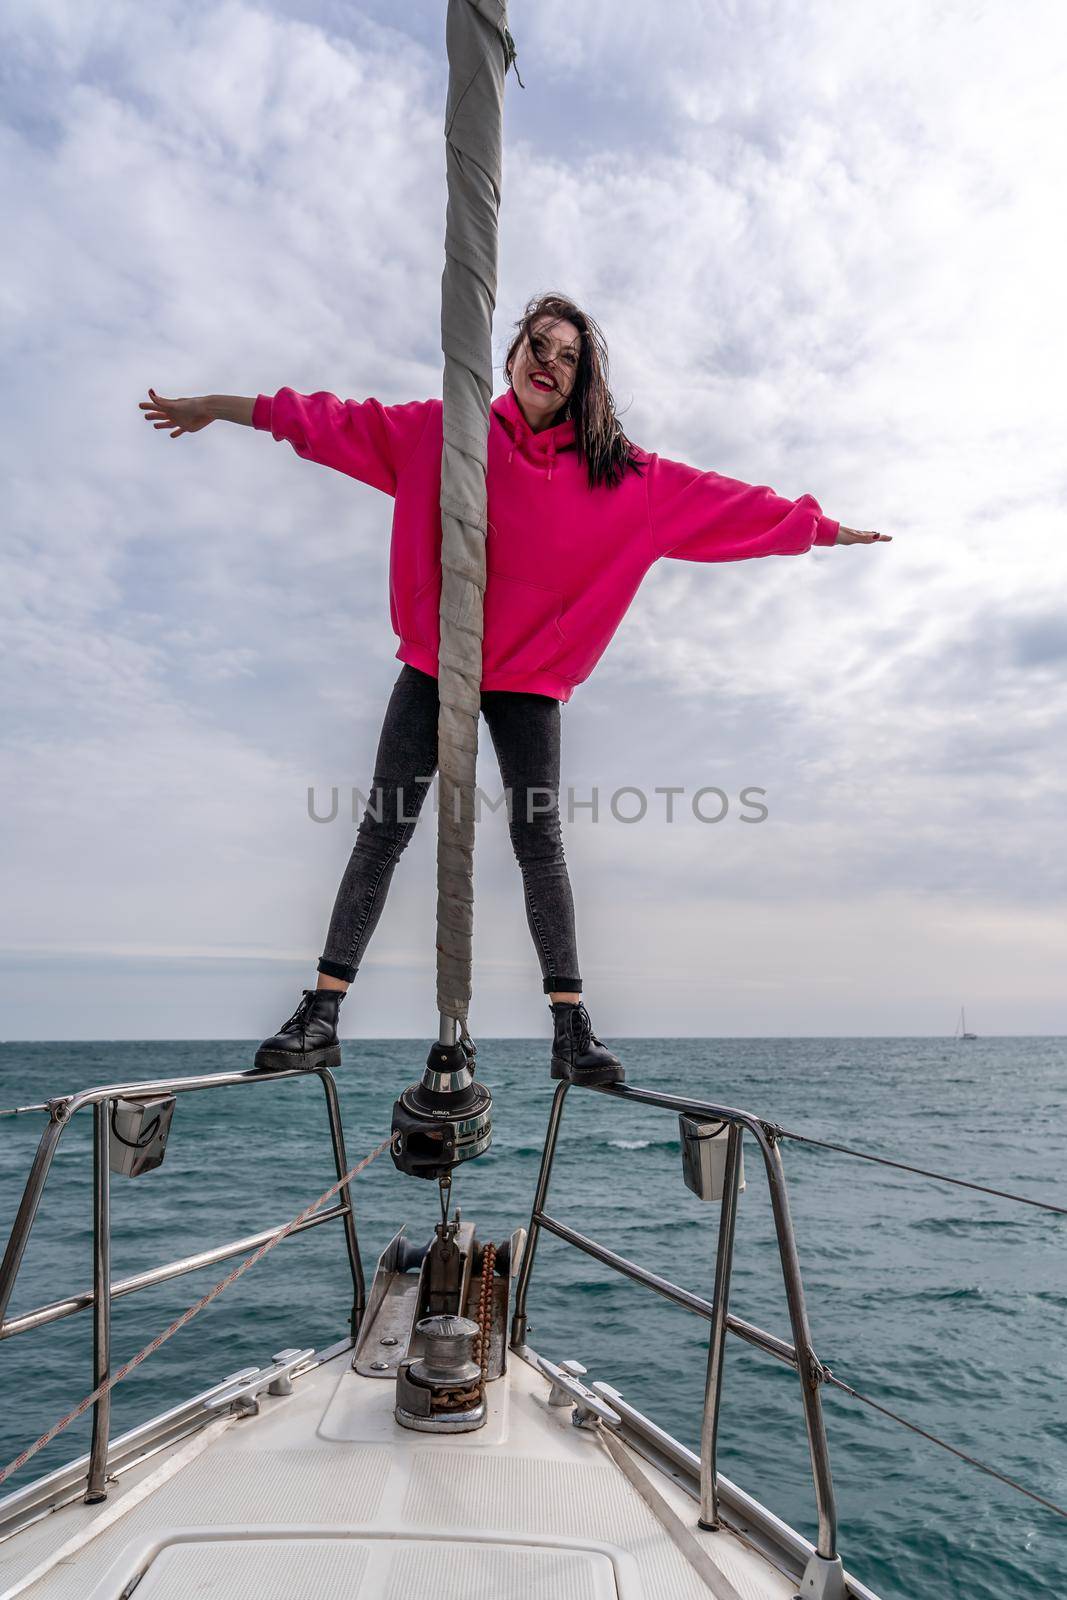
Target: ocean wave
(1048,1297)
(643,1144)
(527,1150)
(996,1300)
(961,1226)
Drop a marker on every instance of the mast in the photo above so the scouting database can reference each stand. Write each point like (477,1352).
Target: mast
(480,50)
(445,1118)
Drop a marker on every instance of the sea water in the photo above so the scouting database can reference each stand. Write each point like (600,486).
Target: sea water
(944,1305)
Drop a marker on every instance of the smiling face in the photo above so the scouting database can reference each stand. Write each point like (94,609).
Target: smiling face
(544,370)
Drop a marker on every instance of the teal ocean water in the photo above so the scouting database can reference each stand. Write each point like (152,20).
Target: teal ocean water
(943,1304)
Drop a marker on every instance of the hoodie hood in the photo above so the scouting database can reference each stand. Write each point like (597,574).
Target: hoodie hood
(539,448)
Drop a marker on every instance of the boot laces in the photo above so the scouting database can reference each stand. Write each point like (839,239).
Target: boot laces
(300,1015)
(582,1028)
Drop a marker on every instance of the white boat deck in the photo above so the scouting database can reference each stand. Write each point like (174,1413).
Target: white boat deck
(323,1495)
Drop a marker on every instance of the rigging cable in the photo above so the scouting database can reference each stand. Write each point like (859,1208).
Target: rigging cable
(838,1383)
(923,1172)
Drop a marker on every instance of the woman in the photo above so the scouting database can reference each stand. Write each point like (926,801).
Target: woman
(576,516)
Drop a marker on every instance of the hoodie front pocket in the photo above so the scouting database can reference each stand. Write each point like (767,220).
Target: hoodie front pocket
(522,630)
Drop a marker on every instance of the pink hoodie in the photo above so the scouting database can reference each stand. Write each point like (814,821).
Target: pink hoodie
(563,561)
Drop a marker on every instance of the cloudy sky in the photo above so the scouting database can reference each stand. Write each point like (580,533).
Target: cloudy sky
(825,243)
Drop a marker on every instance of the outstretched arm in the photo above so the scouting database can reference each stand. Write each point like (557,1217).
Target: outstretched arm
(362,438)
(854,536)
(703,516)
(189,415)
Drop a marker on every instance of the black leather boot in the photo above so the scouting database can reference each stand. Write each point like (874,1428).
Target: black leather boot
(309,1038)
(578,1056)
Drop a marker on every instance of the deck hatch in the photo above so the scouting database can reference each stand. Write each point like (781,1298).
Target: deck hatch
(365,1568)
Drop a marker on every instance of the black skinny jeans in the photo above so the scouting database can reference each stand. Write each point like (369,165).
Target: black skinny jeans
(525,729)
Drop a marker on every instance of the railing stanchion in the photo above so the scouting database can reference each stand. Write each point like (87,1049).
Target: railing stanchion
(102,1098)
(96,1485)
(724,1253)
(807,1365)
(337,1138)
(27,1211)
(518,1321)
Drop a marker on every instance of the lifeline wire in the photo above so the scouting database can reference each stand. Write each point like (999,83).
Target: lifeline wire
(190,1313)
(924,1172)
(839,1383)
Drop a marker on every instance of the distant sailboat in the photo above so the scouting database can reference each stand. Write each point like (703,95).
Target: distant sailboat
(961,1028)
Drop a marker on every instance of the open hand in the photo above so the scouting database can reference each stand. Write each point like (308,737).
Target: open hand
(184,416)
(856,536)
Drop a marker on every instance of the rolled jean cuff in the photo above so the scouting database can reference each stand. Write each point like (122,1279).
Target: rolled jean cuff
(334,969)
(563,986)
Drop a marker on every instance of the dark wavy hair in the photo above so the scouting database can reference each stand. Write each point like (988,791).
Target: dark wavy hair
(598,435)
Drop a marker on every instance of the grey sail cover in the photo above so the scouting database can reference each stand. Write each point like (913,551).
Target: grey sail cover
(480,50)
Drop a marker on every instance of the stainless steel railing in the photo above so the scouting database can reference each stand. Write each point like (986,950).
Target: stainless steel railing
(798,1353)
(60,1114)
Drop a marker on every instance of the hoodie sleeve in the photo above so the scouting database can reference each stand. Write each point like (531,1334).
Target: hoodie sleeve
(362,438)
(702,516)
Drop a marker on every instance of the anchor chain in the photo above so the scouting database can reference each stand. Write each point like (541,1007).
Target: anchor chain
(484,1336)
